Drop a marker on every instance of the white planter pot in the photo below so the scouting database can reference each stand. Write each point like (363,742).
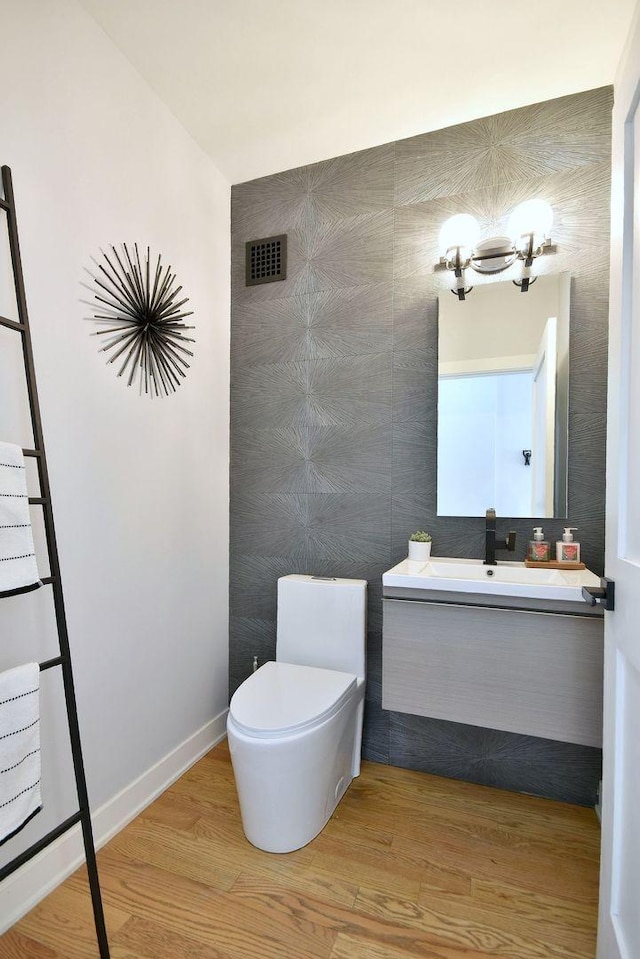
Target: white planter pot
(420,552)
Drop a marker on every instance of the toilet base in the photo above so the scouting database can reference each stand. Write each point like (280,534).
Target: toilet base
(288,787)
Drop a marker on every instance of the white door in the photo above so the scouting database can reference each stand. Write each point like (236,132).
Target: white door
(619,921)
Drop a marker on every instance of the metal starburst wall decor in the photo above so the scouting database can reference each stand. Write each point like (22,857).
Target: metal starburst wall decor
(145,320)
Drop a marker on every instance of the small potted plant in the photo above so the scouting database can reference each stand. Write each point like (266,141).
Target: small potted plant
(420,546)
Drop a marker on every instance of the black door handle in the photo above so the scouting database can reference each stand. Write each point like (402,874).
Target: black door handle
(602,595)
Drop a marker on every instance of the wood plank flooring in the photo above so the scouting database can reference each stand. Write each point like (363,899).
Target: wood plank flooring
(410,866)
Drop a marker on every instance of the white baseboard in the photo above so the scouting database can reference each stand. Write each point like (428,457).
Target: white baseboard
(21,891)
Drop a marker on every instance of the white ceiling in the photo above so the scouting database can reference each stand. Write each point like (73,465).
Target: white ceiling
(266,85)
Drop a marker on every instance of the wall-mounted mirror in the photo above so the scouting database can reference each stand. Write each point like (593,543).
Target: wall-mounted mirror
(503,397)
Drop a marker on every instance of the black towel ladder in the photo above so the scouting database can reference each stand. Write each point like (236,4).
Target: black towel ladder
(83,815)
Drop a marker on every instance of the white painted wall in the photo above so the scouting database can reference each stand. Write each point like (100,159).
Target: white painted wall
(140,487)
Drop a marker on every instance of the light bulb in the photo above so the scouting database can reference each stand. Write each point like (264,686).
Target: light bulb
(460,230)
(532,216)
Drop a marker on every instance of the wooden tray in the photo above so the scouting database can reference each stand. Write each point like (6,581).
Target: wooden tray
(553,564)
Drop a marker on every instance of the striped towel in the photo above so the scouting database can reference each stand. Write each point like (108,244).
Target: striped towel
(19,748)
(18,570)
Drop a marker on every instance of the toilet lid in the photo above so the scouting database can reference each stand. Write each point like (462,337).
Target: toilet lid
(280,698)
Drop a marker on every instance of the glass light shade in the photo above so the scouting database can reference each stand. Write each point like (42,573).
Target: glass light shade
(460,230)
(532,216)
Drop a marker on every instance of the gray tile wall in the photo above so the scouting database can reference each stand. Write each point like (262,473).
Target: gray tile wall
(334,389)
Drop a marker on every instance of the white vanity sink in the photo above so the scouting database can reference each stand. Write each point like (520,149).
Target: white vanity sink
(505,579)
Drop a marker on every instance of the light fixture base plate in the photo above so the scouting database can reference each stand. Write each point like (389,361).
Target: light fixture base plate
(493,255)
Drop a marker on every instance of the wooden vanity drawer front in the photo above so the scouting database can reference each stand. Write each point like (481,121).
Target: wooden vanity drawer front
(534,673)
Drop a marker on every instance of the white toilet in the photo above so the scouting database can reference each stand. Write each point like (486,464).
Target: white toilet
(295,725)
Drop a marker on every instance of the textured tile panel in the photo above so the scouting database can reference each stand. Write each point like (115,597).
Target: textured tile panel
(269,397)
(415,316)
(249,638)
(331,529)
(590,299)
(415,387)
(588,374)
(337,392)
(414,454)
(517,145)
(322,459)
(333,323)
(253,589)
(331,190)
(374,666)
(375,734)
(495,758)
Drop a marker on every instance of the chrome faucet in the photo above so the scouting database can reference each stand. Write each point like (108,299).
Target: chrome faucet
(490,542)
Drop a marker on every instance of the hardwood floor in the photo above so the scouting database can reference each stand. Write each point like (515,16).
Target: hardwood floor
(409,866)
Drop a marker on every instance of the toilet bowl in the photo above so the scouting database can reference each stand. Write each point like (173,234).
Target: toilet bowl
(295,725)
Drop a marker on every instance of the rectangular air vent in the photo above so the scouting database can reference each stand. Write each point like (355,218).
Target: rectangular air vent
(266,260)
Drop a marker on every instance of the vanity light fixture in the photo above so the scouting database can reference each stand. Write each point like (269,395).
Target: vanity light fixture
(528,237)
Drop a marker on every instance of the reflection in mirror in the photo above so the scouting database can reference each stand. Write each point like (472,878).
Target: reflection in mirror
(503,391)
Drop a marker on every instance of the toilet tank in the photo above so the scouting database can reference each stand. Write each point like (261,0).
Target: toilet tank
(322,622)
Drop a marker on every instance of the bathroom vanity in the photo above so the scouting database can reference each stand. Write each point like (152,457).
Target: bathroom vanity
(505,648)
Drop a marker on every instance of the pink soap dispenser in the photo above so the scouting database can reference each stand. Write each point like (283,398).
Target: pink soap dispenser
(539,549)
(566,550)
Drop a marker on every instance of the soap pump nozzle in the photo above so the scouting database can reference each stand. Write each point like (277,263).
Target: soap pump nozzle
(567,536)
(538,535)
